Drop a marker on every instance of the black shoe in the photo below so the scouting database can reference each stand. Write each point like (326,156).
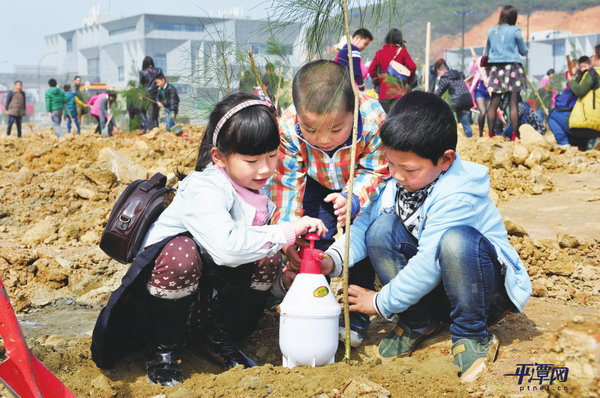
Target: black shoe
(163,367)
(221,345)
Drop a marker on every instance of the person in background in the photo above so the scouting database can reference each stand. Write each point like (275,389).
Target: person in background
(505,46)
(360,40)
(479,92)
(136,107)
(390,88)
(584,121)
(15,107)
(167,98)
(453,81)
(526,116)
(70,111)
(147,79)
(101,111)
(80,100)
(547,92)
(546,79)
(55,103)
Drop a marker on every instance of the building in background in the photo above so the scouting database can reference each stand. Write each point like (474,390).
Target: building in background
(192,51)
(111,51)
(547,49)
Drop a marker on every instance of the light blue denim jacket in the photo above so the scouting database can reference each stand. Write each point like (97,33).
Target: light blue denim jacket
(504,44)
(459,198)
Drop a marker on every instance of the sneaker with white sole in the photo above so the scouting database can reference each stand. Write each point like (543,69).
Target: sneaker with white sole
(472,357)
(359,324)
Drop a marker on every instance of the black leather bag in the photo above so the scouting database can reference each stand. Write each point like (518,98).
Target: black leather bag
(136,209)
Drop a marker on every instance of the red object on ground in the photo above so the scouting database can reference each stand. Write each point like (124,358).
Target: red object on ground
(310,257)
(22,373)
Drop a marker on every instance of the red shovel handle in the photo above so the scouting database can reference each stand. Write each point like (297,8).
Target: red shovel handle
(22,373)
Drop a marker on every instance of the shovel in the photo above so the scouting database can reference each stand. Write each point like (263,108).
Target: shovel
(22,373)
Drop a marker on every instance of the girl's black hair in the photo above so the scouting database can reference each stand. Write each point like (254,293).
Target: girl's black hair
(147,62)
(508,15)
(251,131)
(394,36)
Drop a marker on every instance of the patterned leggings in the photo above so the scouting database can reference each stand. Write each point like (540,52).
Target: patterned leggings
(178,269)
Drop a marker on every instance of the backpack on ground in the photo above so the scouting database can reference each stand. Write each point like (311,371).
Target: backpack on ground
(137,208)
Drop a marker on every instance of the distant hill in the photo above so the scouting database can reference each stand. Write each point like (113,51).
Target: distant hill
(412,17)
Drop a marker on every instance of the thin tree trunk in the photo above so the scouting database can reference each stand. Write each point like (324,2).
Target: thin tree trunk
(227,83)
(351,180)
(255,69)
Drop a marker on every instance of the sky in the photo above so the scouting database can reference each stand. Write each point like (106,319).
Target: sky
(26,22)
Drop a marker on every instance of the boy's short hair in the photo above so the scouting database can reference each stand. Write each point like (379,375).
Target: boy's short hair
(160,76)
(584,60)
(421,123)
(364,33)
(67,87)
(18,81)
(77,77)
(322,86)
(52,82)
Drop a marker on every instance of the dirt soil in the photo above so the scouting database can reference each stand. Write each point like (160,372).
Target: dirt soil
(56,196)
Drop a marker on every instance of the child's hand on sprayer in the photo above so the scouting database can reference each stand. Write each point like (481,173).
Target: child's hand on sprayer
(307,224)
(302,226)
(339,204)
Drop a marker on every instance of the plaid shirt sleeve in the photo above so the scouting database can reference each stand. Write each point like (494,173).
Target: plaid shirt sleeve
(289,181)
(371,166)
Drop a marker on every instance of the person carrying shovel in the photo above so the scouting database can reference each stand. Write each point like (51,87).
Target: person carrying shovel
(167,98)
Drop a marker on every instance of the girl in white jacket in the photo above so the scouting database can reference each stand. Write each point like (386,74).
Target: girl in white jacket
(211,257)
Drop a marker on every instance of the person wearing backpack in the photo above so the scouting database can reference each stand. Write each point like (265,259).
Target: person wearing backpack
(558,119)
(391,88)
(584,121)
(209,260)
(453,81)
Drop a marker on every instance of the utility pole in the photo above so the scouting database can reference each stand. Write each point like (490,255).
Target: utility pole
(464,13)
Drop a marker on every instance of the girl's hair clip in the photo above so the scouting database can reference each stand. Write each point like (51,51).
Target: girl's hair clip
(235,110)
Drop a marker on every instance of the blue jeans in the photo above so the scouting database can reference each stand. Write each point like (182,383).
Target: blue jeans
(361,273)
(75,120)
(56,119)
(14,120)
(471,294)
(558,122)
(170,121)
(464,117)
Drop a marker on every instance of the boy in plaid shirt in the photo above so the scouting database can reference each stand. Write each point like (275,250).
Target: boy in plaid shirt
(314,160)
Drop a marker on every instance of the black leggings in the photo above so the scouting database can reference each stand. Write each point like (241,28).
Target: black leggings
(514,111)
(482,105)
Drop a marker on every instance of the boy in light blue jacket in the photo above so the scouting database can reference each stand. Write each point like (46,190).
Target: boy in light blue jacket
(436,241)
